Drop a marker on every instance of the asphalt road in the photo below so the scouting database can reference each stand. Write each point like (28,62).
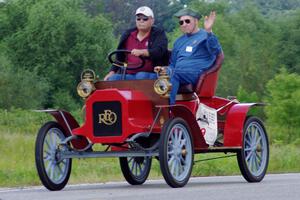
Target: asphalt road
(273,187)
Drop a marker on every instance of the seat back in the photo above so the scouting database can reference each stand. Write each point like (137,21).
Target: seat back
(207,83)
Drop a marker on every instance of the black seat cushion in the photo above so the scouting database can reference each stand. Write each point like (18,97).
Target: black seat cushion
(185,89)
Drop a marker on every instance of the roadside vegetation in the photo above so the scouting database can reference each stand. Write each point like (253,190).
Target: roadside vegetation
(45,44)
(18,166)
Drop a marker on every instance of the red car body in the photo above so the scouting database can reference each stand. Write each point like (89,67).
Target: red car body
(137,113)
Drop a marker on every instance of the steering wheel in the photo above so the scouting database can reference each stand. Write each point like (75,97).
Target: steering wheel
(112,57)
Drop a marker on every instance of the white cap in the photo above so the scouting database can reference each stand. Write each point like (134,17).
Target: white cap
(145,11)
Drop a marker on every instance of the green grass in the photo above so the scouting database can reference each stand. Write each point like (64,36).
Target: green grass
(17,165)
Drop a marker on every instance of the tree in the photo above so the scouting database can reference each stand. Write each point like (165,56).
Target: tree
(13,16)
(250,58)
(270,8)
(20,88)
(284,105)
(289,43)
(121,12)
(57,41)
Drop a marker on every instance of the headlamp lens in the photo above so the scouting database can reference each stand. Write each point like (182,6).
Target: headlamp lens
(84,89)
(161,86)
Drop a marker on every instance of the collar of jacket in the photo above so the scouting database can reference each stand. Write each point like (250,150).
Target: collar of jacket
(154,30)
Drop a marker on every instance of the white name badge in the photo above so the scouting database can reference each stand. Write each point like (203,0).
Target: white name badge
(189,49)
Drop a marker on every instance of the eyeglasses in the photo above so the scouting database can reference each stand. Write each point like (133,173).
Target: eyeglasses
(142,18)
(187,21)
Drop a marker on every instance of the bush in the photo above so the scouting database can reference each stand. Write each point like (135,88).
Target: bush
(62,99)
(245,96)
(283,111)
(21,88)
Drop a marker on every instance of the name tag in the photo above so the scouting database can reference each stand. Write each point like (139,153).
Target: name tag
(189,49)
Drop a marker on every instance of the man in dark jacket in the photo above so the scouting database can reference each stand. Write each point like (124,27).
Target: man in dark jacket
(145,40)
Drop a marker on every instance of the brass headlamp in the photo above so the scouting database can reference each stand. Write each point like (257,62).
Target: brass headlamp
(162,85)
(86,85)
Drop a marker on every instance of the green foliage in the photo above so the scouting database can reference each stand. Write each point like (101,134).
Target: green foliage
(57,41)
(205,8)
(163,12)
(20,88)
(173,36)
(245,96)
(251,52)
(283,112)
(13,16)
(62,99)
(289,43)
(270,8)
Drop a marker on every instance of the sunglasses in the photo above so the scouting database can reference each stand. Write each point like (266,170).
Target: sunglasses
(187,21)
(142,18)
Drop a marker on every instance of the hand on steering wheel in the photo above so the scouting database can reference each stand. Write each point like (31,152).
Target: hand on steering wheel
(113,59)
(162,70)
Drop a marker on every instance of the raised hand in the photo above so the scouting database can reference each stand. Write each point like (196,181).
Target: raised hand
(209,21)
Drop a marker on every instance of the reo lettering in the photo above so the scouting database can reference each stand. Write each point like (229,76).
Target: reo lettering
(108,117)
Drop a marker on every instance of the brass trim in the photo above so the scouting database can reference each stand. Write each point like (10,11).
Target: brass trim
(88,75)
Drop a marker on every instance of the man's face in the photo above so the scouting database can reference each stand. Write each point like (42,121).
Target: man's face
(143,22)
(188,24)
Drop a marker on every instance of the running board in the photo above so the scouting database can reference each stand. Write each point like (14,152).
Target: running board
(218,149)
(100,154)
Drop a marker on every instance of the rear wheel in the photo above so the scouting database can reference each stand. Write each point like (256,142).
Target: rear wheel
(54,173)
(176,153)
(135,169)
(253,159)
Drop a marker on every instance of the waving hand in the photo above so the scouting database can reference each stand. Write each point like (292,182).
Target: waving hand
(209,21)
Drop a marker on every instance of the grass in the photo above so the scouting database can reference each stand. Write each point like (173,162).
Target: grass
(17,165)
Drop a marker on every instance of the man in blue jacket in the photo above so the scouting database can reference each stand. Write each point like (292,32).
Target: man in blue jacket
(144,40)
(194,52)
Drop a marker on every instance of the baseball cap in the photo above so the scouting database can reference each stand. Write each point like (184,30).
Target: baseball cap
(145,11)
(187,12)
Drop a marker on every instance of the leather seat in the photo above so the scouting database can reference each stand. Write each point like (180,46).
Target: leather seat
(207,83)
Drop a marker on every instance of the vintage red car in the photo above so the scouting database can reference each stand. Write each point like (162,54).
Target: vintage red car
(135,121)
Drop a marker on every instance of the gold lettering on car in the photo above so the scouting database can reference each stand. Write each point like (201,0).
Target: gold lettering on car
(108,117)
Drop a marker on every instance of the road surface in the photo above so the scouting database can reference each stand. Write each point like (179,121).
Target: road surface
(273,187)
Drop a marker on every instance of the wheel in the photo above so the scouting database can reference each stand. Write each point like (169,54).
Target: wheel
(176,152)
(253,159)
(135,169)
(53,173)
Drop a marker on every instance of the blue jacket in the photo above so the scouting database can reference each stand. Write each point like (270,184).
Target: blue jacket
(194,53)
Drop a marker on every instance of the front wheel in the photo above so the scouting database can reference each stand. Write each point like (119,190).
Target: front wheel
(253,159)
(54,173)
(135,169)
(176,152)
